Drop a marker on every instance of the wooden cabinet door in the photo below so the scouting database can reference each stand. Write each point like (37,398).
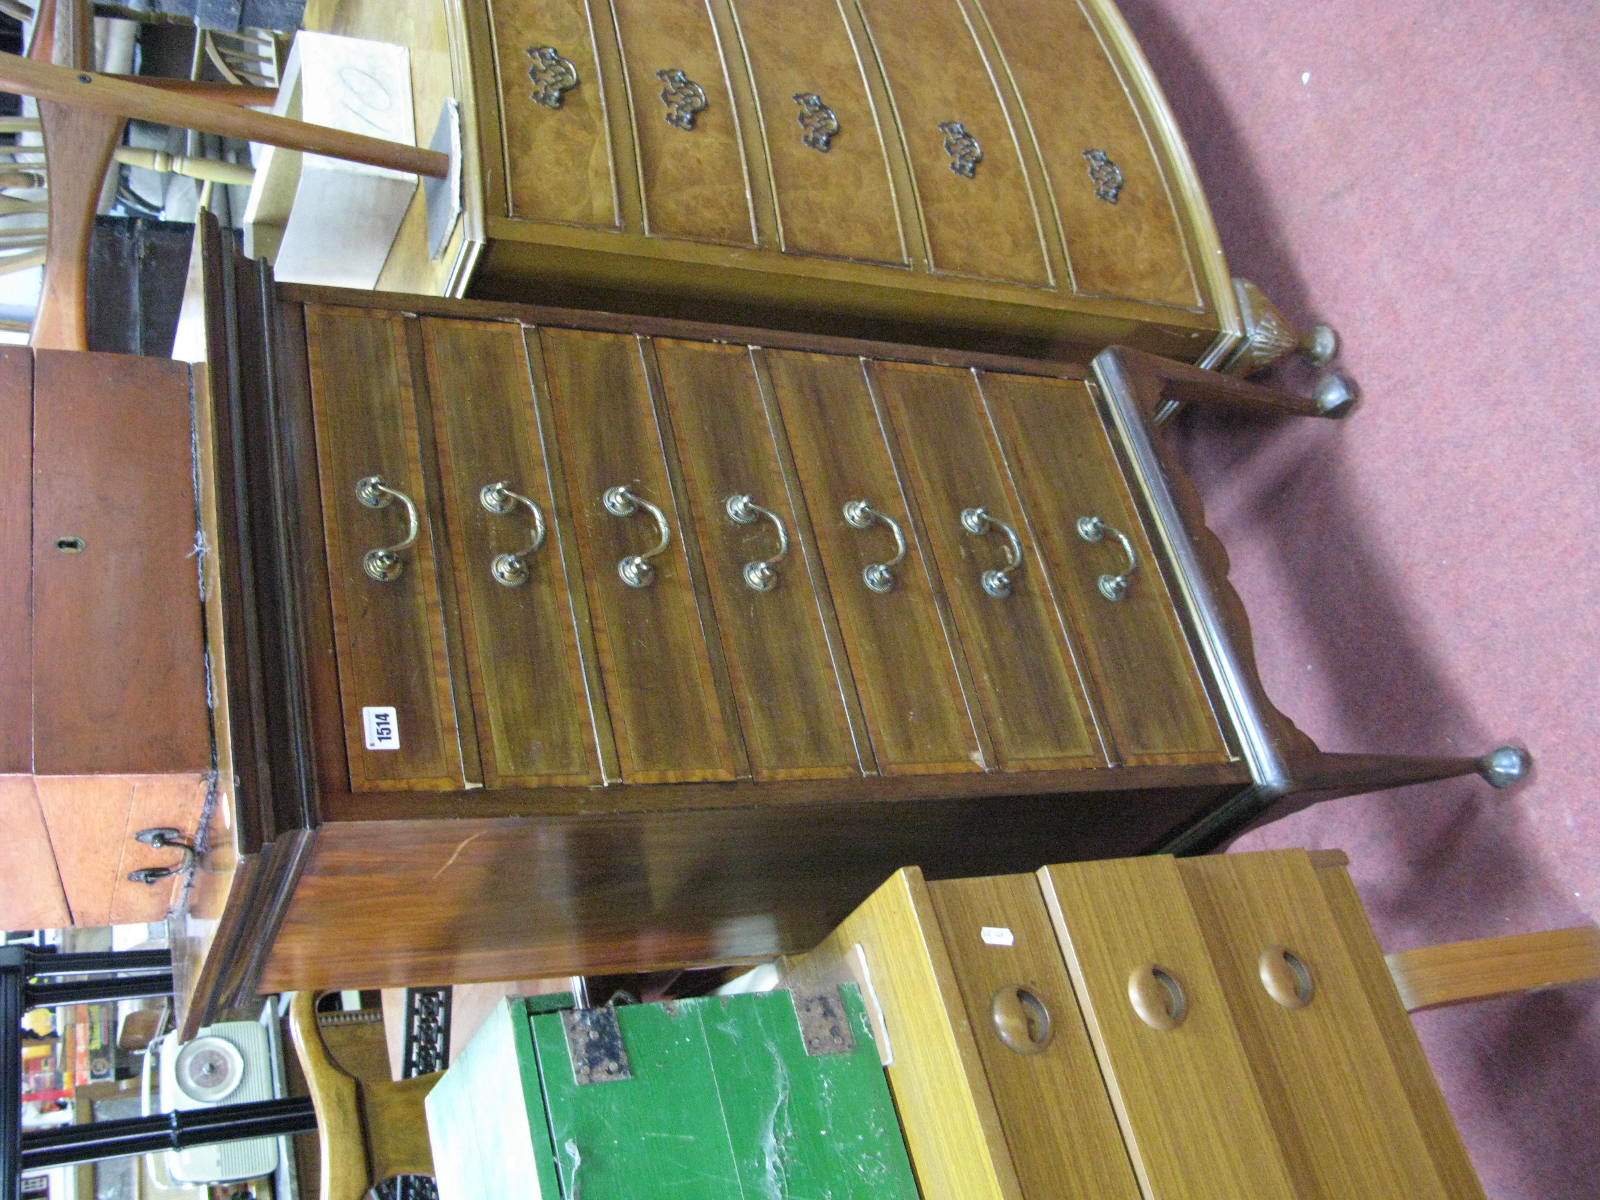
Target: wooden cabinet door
(1110,195)
(528,693)
(833,190)
(972,191)
(652,640)
(1023,666)
(691,160)
(1066,469)
(558,159)
(900,652)
(786,680)
(394,672)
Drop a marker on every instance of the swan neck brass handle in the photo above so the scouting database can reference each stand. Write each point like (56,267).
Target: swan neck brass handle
(385,564)
(996,582)
(879,577)
(636,569)
(511,570)
(760,575)
(1112,587)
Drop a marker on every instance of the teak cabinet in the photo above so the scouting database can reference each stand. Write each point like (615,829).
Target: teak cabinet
(551,642)
(968,172)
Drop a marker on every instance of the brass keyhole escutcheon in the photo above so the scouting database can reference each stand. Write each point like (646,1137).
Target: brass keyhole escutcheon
(1158,998)
(71,545)
(1021,1020)
(1286,977)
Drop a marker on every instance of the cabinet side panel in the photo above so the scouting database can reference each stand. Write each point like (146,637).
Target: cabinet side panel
(651,640)
(16,562)
(1066,469)
(522,656)
(30,886)
(394,673)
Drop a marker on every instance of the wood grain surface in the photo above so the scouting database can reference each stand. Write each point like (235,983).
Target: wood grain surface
(31,896)
(16,553)
(1025,671)
(899,650)
(1114,919)
(785,672)
(1065,467)
(1056,1115)
(528,686)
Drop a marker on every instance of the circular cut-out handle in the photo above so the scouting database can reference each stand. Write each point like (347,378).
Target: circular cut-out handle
(1158,997)
(1286,977)
(1021,1019)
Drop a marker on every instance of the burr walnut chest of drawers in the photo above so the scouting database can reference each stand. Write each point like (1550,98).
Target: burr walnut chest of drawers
(549,642)
(988,173)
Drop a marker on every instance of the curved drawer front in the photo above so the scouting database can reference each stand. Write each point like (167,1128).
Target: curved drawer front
(973,194)
(394,673)
(1109,193)
(558,163)
(822,134)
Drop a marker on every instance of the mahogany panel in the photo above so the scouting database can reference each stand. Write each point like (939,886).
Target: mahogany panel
(834,197)
(116,597)
(390,635)
(1156,708)
(16,561)
(900,654)
(665,710)
(784,672)
(30,886)
(1025,671)
(156,802)
(594,892)
(528,688)
(692,173)
(1122,233)
(981,224)
(557,160)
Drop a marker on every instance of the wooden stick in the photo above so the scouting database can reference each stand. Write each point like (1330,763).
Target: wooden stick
(1459,972)
(103,94)
(239,94)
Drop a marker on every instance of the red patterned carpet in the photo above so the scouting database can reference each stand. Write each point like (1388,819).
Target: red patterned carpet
(1424,576)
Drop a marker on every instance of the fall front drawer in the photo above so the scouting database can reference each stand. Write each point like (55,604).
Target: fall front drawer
(571,557)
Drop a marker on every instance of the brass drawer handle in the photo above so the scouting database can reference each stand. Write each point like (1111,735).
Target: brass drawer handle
(819,121)
(1105,174)
(385,564)
(683,97)
(1093,529)
(879,577)
(996,583)
(762,574)
(511,570)
(635,569)
(963,149)
(552,76)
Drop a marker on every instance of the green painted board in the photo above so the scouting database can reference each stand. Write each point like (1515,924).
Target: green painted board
(723,1102)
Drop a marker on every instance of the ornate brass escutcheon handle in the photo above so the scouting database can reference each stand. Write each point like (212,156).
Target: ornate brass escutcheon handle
(762,574)
(819,121)
(385,564)
(511,570)
(683,97)
(635,569)
(1104,174)
(879,577)
(996,582)
(551,75)
(964,151)
(1093,529)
